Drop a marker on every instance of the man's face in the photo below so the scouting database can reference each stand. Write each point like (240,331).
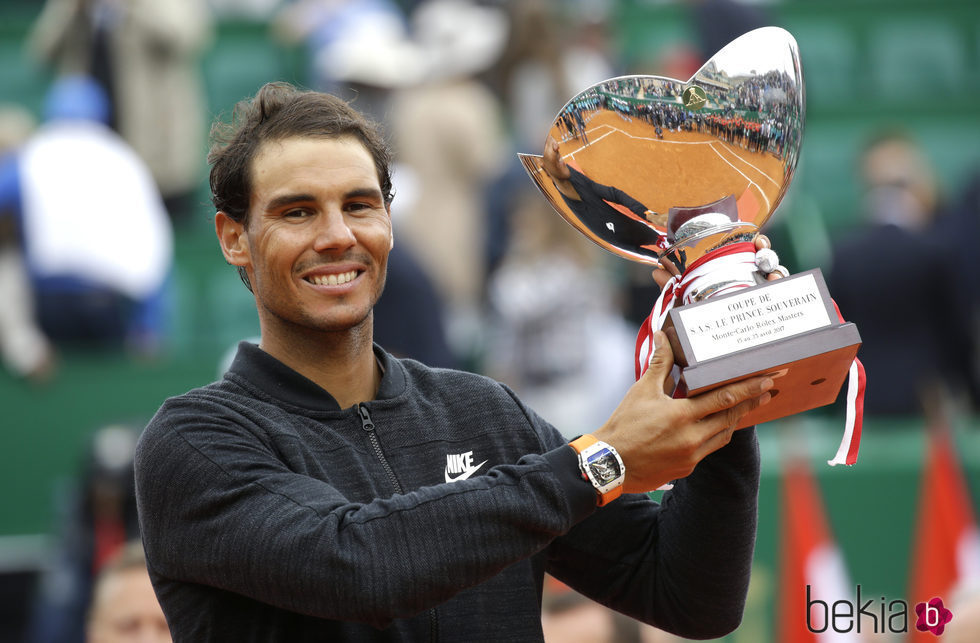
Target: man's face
(126,610)
(318,234)
(901,168)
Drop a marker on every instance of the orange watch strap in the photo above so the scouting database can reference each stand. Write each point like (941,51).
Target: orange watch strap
(609,496)
(582,443)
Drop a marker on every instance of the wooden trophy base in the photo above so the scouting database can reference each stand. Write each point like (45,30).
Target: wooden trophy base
(809,365)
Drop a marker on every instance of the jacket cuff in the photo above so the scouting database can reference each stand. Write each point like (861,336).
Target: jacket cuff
(580,493)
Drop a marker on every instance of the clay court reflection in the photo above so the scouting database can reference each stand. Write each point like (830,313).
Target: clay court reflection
(730,135)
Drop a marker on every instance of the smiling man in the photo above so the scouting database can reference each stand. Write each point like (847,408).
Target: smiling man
(324,490)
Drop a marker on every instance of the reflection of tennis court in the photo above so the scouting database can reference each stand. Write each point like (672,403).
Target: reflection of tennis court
(680,169)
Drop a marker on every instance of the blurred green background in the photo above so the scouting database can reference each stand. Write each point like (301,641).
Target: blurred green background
(915,63)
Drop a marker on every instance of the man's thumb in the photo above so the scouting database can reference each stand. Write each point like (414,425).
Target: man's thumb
(661,359)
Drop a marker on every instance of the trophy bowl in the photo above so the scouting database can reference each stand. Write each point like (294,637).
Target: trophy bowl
(655,169)
(726,143)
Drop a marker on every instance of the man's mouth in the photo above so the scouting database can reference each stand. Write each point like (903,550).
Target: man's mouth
(335,279)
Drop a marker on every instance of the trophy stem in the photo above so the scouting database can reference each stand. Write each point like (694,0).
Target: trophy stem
(725,269)
(695,247)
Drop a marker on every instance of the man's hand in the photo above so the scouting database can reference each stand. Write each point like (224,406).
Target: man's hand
(662,439)
(557,170)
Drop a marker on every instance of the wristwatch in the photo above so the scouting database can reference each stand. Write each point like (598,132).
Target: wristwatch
(601,466)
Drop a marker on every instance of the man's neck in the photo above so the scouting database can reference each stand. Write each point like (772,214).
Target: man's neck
(342,363)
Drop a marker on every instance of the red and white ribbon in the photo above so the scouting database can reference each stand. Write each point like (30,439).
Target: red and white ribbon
(847,452)
(737,261)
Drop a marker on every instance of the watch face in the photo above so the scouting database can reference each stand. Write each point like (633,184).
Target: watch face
(604,467)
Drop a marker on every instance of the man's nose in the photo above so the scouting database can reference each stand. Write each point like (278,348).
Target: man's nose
(333,232)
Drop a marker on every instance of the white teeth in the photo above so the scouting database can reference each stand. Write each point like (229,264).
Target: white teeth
(333,279)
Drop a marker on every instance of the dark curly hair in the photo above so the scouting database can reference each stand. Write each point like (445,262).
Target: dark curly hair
(279,111)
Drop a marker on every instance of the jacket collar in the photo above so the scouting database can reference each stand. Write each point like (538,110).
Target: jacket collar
(271,376)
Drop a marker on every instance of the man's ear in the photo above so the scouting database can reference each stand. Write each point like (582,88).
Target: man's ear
(233,240)
(391,228)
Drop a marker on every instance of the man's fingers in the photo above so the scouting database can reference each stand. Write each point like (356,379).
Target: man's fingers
(731,416)
(730,396)
(779,273)
(721,425)
(669,266)
(663,273)
(552,161)
(661,277)
(549,156)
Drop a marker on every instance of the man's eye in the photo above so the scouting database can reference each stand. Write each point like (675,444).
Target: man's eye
(362,208)
(299,212)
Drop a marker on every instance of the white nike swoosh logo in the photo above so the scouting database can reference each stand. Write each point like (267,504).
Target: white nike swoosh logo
(466,474)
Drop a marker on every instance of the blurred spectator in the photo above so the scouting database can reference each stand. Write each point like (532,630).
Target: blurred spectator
(146,55)
(915,331)
(94,232)
(409,317)
(718,22)
(99,517)
(351,42)
(447,131)
(715,23)
(569,617)
(959,230)
(555,337)
(124,608)
(549,57)
(24,348)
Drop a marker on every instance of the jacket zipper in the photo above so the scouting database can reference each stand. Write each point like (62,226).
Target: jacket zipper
(368,425)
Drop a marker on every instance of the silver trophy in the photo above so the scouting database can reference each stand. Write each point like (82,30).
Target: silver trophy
(670,172)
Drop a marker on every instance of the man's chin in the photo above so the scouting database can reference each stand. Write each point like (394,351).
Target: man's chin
(333,323)
(299,320)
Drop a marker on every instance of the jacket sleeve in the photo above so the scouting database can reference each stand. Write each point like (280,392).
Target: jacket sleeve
(682,565)
(218,508)
(584,184)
